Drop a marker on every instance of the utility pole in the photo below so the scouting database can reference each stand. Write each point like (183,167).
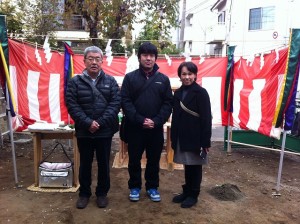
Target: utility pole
(182,25)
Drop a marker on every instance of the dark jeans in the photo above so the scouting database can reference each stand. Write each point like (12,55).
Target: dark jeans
(139,140)
(193,178)
(86,147)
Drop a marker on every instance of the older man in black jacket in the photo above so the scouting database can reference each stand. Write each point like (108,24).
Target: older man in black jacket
(93,101)
(147,104)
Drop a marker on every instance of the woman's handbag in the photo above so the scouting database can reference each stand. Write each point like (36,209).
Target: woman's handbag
(56,174)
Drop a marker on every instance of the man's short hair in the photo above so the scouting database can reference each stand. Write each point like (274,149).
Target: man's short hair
(93,49)
(147,48)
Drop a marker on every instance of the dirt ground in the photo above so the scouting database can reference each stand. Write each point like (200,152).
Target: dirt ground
(249,173)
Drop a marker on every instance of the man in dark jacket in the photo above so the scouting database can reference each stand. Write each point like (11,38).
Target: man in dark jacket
(146,102)
(93,101)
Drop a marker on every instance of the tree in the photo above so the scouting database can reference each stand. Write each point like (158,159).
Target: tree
(165,11)
(14,25)
(91,11)
(151,31)
(39,18)
(106,19)
(160,17)
(114,19)
(119,24)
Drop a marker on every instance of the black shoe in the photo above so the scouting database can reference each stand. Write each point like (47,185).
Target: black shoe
(102,201)
(189,202)
(179,198)
(82,202)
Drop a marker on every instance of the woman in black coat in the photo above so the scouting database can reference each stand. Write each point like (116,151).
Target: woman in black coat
(190,132)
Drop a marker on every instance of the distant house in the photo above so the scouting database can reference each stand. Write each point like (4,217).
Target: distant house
(74,29)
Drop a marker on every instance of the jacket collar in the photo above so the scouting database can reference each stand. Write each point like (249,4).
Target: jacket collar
(155,68)
(192,89)
(100,74)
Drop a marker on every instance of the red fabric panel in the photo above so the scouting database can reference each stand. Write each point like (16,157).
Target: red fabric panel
(270,72)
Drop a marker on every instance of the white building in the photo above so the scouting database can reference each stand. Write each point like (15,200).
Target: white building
(255,26)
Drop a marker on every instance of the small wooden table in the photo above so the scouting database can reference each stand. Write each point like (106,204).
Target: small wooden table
(170,152)
(39,135)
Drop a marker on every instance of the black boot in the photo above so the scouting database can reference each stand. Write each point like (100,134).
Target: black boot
(189,202)
(191,199)
(181,197)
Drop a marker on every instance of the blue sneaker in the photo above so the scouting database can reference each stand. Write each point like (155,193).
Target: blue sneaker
(134,194)
(153,194)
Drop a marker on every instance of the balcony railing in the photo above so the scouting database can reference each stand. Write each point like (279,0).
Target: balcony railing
(216,33)
(75,23)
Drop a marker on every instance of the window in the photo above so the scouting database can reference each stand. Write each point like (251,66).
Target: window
(218,51)
(221,18)
(190,46)
(262,18)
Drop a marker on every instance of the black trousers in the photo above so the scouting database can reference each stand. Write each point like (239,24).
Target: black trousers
(139,140)
(87,147)
(193,179)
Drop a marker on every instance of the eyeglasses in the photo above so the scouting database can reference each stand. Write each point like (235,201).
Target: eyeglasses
(92,59)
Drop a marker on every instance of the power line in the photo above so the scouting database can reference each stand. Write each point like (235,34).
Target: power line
(197,6)
(202,9)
